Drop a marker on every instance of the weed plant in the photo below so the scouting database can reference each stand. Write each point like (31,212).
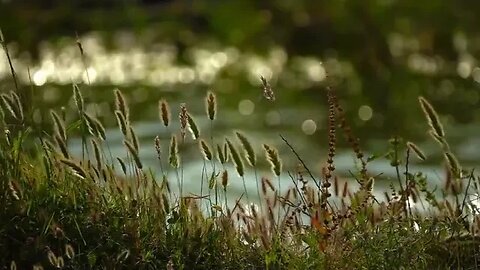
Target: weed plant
(98,211)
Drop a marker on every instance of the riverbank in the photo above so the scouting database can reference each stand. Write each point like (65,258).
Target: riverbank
(104,212)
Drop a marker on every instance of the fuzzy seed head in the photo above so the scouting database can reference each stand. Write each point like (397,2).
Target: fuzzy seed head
(432,117)
(173,158)
(274,159)
(235,157)
(418,152)
(248,149)
(207,153)
(121,104)
(164,112)
(183,116)
(77,96)
(192,126)
(211,104)
(267,89)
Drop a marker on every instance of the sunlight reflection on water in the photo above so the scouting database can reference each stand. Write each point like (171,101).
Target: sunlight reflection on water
(158,64)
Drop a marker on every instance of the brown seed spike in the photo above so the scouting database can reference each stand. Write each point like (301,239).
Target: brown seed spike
(236,158)
(207,153)
(158,147)
(193,127)
(173,158)
(77,96)
(122,123)
(432,117)
(183,116)
(211,104)
(453,163)
(248,148)
(418,152)
(121,104)
(220,155)
(274,159)
(164,112)
(267,89)
(225,180)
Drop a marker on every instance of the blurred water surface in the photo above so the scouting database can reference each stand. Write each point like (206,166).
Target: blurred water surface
(149,72)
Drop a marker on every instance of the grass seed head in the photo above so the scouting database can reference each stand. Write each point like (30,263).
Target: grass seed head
(164,112)
(211,104)
(77,96)
(274,159)
(235,157)
(432,117)
(220,155)
(158,147)
(59,125)
(207,153)
(62,146)
(121,104)
(183,117)
(173,158)
(193,127)
(134,153)
(17,105)
(248,149)
(453,163)
(123,165)
(224,179)
(98,156)
(122,122)
(267,89)
(418,152)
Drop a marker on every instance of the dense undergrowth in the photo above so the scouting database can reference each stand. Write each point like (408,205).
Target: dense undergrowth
(104,212)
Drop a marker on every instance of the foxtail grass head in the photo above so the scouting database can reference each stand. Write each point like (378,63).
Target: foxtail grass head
(121,103)
(183,117)
(77,96)
(164,112)
(274,159)
(173,158)
(206,151)
(432,117)
(211,105)
(248,148)
(418,152)
(236,158)
(267,89)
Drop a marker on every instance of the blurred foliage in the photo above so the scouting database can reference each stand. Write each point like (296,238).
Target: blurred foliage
(392,51)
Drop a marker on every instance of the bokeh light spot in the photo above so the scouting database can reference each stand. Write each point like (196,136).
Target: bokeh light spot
(309,126)
(365,112)
(39,78)
(246,107)
(273,118)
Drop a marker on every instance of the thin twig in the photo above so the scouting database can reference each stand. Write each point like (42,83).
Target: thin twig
(301,161)
(12,70)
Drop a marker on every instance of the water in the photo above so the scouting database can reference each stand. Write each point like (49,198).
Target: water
(148,72)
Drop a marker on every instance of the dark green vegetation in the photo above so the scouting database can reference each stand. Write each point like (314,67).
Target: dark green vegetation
(384,53)
(99,211)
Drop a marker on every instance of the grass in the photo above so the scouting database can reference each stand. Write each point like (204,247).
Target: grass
(68,212)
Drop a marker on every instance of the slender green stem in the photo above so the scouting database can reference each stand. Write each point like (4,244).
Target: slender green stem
(245,189)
